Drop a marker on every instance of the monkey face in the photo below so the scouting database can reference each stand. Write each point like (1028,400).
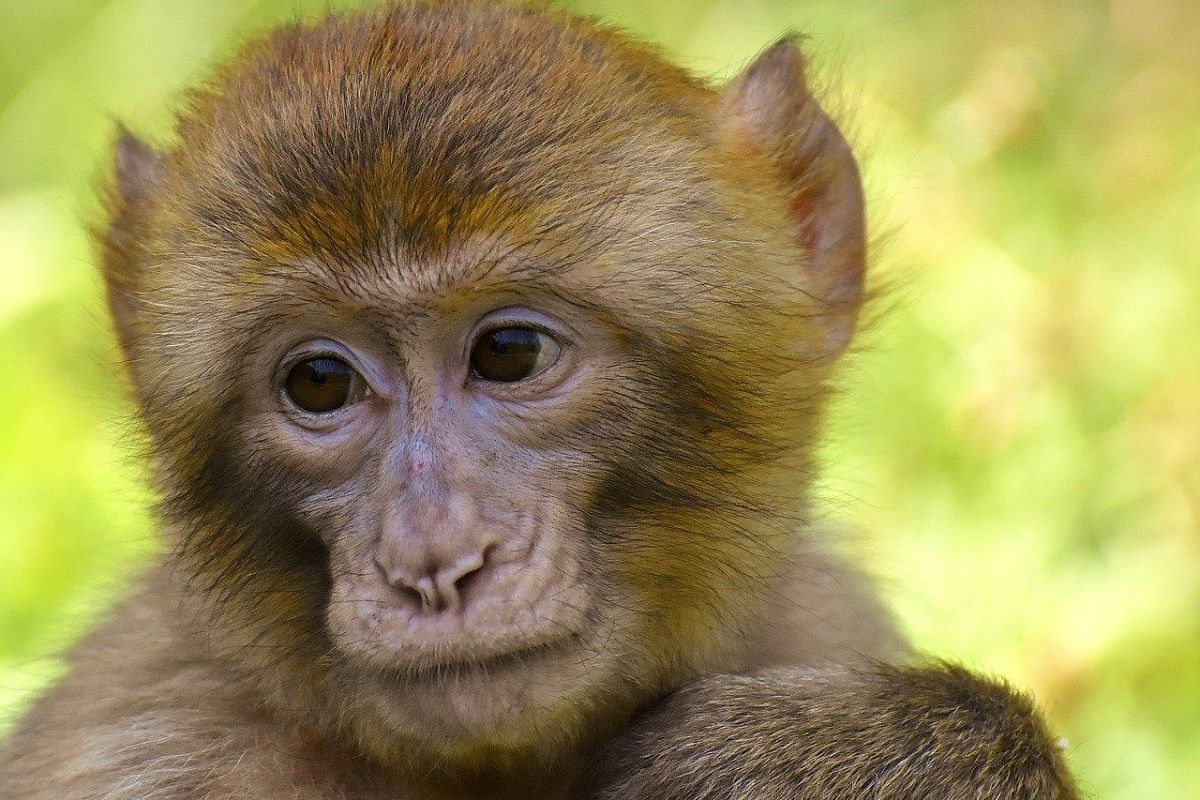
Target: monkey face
(438,450)
(477,382)
(477,487)
(488,485)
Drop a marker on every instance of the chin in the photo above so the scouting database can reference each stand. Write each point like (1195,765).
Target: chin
(511,703)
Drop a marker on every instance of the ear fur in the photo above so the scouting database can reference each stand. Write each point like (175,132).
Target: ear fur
(769,107)
(137,177)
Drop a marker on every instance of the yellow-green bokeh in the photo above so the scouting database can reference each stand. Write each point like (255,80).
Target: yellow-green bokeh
(1018,442)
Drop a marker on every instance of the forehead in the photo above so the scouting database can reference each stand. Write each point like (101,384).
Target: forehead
(407,132)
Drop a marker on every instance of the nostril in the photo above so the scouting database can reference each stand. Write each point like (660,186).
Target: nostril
(461,584)
(410,594)
(455,582)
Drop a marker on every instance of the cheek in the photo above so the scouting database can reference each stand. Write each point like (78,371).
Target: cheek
(547,423)
(560,483)
(330,483)
(345,521)
(323,458)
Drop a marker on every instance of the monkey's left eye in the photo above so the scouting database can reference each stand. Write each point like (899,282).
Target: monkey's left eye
(323,384)
(507,355)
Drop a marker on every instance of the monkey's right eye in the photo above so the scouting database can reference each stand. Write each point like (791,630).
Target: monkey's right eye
(323,384)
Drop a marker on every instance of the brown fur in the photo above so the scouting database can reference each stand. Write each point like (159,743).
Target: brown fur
(419,159)
(884,732)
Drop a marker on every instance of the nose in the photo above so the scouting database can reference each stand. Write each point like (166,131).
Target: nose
(433,552)
(434,586)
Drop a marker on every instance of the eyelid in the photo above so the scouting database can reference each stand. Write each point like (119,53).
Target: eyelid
(328,348)
(503,323)
(519,317)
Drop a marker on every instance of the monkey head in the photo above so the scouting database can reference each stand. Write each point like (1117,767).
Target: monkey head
(480,353)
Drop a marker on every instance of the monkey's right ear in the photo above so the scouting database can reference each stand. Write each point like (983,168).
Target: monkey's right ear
(769,109)
(137,178)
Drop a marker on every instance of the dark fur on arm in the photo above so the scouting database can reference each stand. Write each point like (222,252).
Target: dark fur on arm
(884,733)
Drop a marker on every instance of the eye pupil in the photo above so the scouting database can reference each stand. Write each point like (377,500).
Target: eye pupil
(507,355)
(321,385)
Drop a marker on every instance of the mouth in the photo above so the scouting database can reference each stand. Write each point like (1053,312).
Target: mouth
(369,628)
(449,666)
(500,700)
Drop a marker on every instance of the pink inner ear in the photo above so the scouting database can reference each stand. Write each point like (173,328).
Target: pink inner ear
(769,109)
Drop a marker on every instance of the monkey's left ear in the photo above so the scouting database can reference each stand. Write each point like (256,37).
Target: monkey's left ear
(137,178)
(769,108)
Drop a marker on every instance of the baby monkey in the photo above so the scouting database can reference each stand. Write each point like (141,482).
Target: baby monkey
(482,352)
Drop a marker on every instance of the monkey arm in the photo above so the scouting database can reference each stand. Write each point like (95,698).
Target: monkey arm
(886,733)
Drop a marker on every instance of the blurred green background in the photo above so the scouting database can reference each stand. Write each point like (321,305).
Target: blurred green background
(1018,440)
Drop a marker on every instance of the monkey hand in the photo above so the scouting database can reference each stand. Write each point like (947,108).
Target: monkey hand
(885,733)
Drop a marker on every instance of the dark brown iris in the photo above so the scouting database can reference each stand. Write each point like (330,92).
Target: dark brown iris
(506,355)
(322,384)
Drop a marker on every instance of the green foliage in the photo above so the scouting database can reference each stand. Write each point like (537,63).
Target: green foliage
(1018,442)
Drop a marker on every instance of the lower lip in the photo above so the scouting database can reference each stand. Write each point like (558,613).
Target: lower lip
(501,662)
